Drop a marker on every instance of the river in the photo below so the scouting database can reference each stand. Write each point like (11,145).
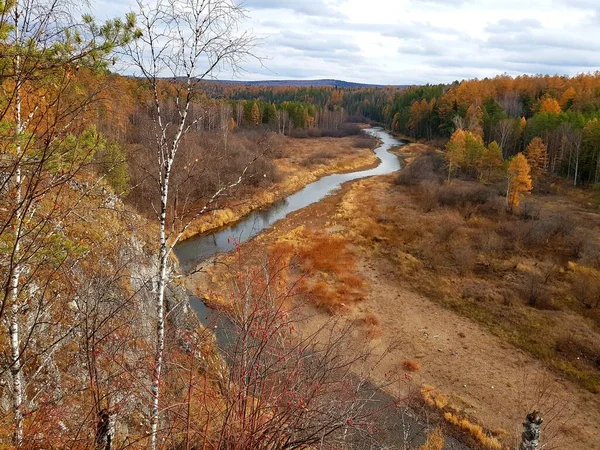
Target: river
(402,424)
(193,251)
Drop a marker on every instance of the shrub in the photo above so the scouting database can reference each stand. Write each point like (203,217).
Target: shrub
(454,195)
(577,347)
(411,366)
(371,320)
(425,167)
(365,140)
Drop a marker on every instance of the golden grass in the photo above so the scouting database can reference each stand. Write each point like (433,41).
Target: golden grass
(435,441)
(440,402)
(474,430)
(324,267)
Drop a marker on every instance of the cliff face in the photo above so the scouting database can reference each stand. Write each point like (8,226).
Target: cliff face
(87,325)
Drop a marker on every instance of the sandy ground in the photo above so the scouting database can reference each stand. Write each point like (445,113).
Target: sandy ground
(484,377)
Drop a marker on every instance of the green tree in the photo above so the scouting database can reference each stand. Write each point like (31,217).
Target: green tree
(44,145)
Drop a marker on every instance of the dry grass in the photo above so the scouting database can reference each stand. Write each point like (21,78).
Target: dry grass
(531,281)
(324,267)
(435,441)
(411,366)
(474,430)
(440,403)
(296,167)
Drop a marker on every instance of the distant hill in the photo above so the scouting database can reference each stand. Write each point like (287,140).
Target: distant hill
(302,83)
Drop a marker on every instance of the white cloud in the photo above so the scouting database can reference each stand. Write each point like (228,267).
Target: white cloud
(417,41)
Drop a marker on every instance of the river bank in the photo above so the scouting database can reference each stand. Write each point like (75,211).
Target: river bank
(480,375)
(301,161)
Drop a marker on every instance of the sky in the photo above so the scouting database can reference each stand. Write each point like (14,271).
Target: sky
(413,41)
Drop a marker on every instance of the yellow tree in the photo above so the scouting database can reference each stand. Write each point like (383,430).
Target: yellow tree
(566,99)
(519,181)
(474,150)
(395,122)
(255,114)
(550,105)
(537,155)
(522,124)
(455,151)
(492,158)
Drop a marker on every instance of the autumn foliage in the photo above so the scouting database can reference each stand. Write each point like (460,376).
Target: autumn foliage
(519,180)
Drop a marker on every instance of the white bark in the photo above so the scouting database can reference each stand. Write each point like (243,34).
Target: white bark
(13,300)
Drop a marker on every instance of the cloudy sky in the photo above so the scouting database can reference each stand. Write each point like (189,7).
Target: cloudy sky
(415,41)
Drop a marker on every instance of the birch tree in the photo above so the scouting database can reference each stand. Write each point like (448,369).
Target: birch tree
(42,50)
(187,41)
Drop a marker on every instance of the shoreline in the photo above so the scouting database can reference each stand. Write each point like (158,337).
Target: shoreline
(264,198)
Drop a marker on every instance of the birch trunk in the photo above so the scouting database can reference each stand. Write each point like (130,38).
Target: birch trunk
(160,310)
(13,299)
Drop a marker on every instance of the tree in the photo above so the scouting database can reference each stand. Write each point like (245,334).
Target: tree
(474,151)
(519,181)
(537,155)
(44,145)
(255,114)
(550,105)
(186,40)
(492,158)
(455,151)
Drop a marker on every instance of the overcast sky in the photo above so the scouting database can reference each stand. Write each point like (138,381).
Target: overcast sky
(415,41)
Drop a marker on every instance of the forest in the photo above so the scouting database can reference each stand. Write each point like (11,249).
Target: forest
(103,173)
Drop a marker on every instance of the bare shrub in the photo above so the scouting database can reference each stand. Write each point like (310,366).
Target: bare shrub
(459,196)
(553,231)
(585,285)
(589,250)
(462,256)
(534,291)
(322,157)
(346,129)
(578,347)
(426,167)
(529,211)
(365,140)
(429,195)
(481,291)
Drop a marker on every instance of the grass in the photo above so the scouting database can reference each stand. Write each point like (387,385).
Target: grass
(324,267)
(531,281)
(440,403)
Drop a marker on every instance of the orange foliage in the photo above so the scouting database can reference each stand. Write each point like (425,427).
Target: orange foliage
(550,105)
(537,155)
(411,366)
(519,180)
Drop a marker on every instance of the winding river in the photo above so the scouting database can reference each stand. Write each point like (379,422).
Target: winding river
(196,250)
(407,426)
